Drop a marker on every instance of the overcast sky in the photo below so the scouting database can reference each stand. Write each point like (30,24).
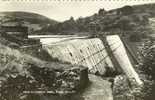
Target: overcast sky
(63,10)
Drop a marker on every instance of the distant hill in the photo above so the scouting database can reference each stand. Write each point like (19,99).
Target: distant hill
(147,8)
(126,19)
(34,21)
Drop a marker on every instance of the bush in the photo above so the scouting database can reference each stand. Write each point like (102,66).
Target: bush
(148,67)
(135,37)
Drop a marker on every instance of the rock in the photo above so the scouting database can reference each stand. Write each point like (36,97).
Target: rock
(122,88)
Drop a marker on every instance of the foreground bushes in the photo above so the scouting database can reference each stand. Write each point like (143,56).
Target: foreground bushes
(23,77)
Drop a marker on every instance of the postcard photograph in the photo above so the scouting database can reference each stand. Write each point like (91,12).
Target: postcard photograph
(77,49)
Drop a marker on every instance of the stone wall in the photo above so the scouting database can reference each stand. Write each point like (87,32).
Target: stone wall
(86,52)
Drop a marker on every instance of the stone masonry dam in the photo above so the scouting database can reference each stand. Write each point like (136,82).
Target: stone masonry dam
(90,52)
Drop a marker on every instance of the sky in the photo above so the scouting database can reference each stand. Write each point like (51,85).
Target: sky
(61,10)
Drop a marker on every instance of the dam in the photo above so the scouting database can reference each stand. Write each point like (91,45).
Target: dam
(90,52)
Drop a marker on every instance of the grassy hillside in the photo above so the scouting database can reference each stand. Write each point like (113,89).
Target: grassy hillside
(28,16)
(35,22)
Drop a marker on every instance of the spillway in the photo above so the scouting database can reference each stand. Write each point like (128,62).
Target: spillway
(121,56)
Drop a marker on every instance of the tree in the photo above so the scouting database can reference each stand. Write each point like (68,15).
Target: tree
(124,23)
(135,37)
(126,10)
(148,67)
(101,12)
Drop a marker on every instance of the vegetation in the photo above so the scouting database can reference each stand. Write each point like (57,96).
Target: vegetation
(17,67)
(33,21)
(148,70)
(126,19)
(20,72)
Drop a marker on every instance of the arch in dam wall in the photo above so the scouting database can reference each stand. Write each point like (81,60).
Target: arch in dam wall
(91,53)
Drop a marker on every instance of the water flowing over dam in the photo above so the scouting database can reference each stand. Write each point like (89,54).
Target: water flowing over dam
(91,52)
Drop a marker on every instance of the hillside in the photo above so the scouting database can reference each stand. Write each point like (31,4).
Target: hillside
(22,72)
(34,21)
(129,19)
(147,8)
